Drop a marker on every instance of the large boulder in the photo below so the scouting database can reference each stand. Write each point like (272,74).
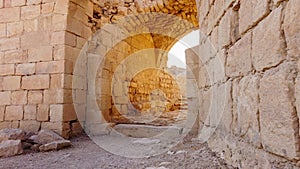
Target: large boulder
(10,148)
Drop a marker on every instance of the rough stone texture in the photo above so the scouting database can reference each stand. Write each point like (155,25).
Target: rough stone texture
(291,28)
(251,12)
(245,106)
(239,58)
(264,53)
(261,60)
(12,134)
(55,145)
(10,148)
(45,137)
(278,118)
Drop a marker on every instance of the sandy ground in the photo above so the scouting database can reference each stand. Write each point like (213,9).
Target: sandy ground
(86,154)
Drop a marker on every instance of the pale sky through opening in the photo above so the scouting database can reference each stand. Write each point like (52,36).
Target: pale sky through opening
(177,52)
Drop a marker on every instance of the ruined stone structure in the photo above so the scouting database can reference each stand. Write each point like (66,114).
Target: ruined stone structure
(248,65)
(246,68)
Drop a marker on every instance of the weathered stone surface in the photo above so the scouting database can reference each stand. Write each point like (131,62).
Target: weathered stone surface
(5,98)
(250,12)
(12,134)
(13,113)
(30,125)
(11,82)
(239,58)
(278,118)
(45,137)
(41,82)
(291,28)
(264,53)
(10,148)
(55,145)
(9,15)
(245,109)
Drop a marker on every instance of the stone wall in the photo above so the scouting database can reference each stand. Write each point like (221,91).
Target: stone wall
(39,41)
(247,73)
(119,66)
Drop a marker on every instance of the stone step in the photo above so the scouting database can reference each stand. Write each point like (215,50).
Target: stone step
(144,131)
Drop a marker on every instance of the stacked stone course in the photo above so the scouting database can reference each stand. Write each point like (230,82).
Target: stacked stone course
(256,45)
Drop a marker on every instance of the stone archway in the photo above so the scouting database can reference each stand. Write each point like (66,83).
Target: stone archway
(151,38)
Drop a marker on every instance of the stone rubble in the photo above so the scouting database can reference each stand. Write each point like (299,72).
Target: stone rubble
(16,141)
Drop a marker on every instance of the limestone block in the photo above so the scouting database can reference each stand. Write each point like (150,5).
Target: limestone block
(2,111)
(30,112)
(37,54)
(9,43)
(11,82)
(291,28)
(35,97)
(277,114)
(19,97)
(30,12)
(14,29)
(227,114)
(45,137)
(47,8)
(13,113)
(250,12)
(204,104)
(40,82)
(264,53)
(16,3)
(61,128)
(7,69)
(15,56)
(192,56)
(5,98)
(62,112)
(50,67)
(245,109)
(9,15)
(61,7)
(55,145)
(10,148)
(25,69)
(31,25)
(216,68)
(225,30)
(2,30)
(35,39)
(42,112)
(30,125)
(62,37)
(239,58)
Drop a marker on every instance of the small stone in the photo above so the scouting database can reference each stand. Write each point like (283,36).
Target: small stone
(45,136)
(12,134)
(165,163)
(56,145)
(10,148)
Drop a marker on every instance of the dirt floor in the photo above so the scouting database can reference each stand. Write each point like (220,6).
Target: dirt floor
(85,154)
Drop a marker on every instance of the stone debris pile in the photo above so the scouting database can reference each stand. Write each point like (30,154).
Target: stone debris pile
(16,141)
